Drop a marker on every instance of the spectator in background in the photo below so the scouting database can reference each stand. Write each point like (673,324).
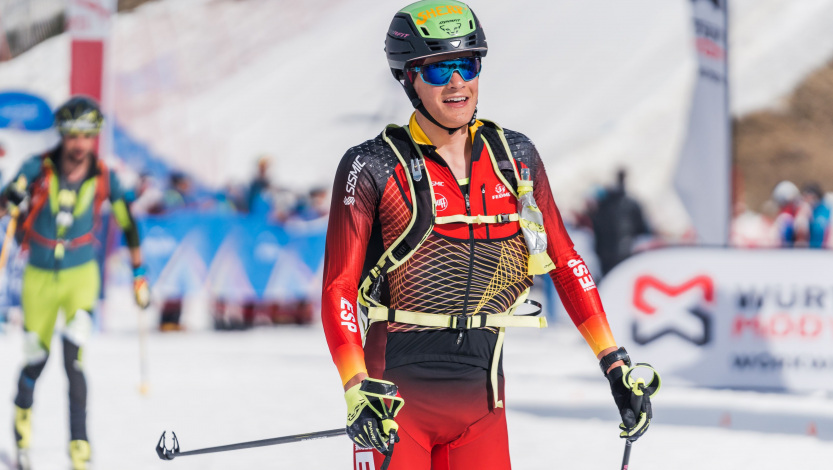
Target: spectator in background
(236,194)
(266,199)
(259,199)
(5,302)
(178,194)
(787,198)
(617,222)
(225,200)
(315,206)
(150,199)
(2,154)
(813,220)
(753,230)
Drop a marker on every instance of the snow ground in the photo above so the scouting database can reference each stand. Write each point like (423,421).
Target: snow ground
(221,388)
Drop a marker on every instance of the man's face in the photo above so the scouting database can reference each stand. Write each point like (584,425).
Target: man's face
(452,104)
(78,146)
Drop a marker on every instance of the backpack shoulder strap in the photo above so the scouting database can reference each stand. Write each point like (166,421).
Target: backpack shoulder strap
(503,162)
(39,189)
(102,187)
(102,190)
(422,215)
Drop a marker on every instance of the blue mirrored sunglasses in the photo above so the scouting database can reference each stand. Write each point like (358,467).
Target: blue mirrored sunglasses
(439,73)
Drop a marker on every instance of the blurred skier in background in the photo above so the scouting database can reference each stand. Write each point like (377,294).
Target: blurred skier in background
(60,195)
(439,226)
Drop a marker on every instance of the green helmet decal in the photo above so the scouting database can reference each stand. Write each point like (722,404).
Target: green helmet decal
(441,19)
(431,28)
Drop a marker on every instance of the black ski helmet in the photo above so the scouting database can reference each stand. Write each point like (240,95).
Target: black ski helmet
(80,114)
(431,28)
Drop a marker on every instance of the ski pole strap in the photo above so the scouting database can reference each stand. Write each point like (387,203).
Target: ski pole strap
(389,454)
(477,219)
(458,322)
(638,385)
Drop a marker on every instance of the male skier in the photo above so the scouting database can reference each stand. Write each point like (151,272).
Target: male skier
(60,194)
(439,226)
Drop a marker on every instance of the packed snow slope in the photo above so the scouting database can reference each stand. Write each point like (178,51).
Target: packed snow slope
(597,84)
(222,388)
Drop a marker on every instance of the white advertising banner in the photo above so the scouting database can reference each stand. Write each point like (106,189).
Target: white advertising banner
(703,178)
(727,318)
(90,19)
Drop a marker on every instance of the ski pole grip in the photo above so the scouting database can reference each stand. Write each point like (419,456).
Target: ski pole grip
(637,396)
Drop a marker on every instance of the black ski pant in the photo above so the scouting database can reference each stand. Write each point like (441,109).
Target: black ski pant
(77,388)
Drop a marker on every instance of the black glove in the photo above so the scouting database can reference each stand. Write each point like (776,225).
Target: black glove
(633,398)
(16,193)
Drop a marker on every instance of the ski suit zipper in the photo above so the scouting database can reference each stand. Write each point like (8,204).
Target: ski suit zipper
(471,271)
(485,212)
(474,149)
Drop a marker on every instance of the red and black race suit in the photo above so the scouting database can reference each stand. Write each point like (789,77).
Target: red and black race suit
(459,269)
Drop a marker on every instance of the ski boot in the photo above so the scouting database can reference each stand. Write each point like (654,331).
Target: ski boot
(79,453)
(22,436)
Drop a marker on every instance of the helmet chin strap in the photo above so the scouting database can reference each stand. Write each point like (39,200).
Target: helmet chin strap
(421,108)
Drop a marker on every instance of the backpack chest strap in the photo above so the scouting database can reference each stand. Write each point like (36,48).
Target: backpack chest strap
(457,322)
(477,219)
(464,322)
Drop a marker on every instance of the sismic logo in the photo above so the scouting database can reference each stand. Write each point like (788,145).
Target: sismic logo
(677,310)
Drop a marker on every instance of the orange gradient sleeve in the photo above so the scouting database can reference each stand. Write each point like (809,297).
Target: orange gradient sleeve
(571,277)
(349,360)
(596,332)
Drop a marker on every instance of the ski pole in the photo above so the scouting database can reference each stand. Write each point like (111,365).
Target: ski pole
(636,403)
(627,455)
(169,454)
(144,386)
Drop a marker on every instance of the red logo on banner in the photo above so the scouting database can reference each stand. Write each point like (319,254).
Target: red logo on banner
(93,6)
(644,283)
(710,49)
(677,319)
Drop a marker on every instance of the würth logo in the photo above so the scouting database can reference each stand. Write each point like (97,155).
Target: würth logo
(678,310)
